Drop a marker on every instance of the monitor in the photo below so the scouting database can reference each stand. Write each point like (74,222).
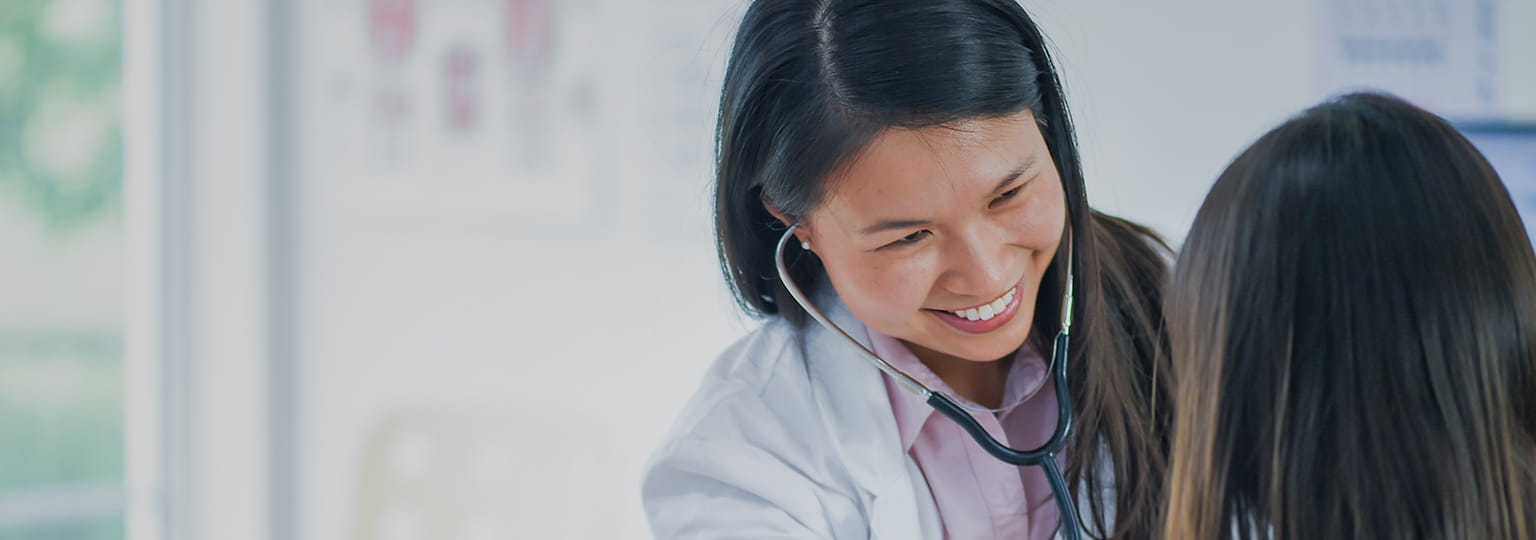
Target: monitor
(1511,148)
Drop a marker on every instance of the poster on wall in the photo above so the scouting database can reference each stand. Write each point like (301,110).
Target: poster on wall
(469,110)
(569,115)
(1441,54)
(1511,150)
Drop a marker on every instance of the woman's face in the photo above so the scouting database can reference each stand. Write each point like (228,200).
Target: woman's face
(926,223)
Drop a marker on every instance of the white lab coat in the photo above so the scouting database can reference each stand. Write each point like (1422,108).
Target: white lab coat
(790,435)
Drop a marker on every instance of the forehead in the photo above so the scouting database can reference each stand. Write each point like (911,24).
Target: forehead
(911,171)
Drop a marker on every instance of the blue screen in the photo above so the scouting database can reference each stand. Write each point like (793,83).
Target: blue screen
(1512,151)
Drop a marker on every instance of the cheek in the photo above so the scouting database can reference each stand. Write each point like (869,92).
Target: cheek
(882,295)
(1040,221)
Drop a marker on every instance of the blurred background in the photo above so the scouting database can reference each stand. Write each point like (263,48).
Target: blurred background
(401,269)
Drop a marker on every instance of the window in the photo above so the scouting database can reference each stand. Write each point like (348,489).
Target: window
(61,237)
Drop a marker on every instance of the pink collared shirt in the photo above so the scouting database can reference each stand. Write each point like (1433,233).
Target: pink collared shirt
(978,496)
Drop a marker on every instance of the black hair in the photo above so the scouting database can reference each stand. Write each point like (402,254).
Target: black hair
(811,82)
(1353,324)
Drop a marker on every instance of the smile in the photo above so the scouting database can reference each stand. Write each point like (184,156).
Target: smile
(986,311)
(985,317)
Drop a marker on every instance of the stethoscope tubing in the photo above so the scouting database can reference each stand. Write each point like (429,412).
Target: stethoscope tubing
(1044,456)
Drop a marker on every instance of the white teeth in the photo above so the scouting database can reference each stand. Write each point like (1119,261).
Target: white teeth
(987,311)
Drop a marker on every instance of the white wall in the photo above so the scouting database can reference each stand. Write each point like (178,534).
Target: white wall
(445,274)
(1165,94)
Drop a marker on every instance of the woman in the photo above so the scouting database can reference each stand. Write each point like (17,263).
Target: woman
(923,151)
(1353,326)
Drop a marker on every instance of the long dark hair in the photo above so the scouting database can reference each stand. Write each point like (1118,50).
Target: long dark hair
(1352,322)
(811,82)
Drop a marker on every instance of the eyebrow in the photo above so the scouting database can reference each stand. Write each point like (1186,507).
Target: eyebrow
(889,224)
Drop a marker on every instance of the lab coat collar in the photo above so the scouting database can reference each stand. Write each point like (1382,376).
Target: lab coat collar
(852,399)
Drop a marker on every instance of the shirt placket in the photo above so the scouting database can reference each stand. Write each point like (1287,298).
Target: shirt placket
(1007,503)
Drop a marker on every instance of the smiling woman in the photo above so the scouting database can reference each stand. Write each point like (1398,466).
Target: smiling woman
(924,153)
(928,222)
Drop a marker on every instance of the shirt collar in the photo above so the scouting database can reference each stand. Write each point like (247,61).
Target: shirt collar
(1025,377)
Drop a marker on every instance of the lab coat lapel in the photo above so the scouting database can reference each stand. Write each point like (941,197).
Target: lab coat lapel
(853,401)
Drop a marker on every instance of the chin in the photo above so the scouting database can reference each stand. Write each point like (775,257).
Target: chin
(995,349)
(993,355)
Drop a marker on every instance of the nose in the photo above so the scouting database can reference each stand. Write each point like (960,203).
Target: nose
(977,262)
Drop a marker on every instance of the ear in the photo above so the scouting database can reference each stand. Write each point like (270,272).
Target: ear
(802,232)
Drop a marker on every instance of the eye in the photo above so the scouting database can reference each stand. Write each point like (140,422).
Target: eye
(909,239)
(1006,195)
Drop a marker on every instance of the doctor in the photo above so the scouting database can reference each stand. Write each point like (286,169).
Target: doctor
(923,151)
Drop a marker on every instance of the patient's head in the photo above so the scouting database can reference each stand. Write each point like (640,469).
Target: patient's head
(1352,322)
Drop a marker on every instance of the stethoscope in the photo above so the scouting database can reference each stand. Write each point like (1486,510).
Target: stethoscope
(1044,456)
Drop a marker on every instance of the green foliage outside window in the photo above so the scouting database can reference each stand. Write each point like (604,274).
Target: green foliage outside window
(61,368)
(61,146)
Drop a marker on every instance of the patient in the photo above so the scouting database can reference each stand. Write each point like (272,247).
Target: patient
(1352,322)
